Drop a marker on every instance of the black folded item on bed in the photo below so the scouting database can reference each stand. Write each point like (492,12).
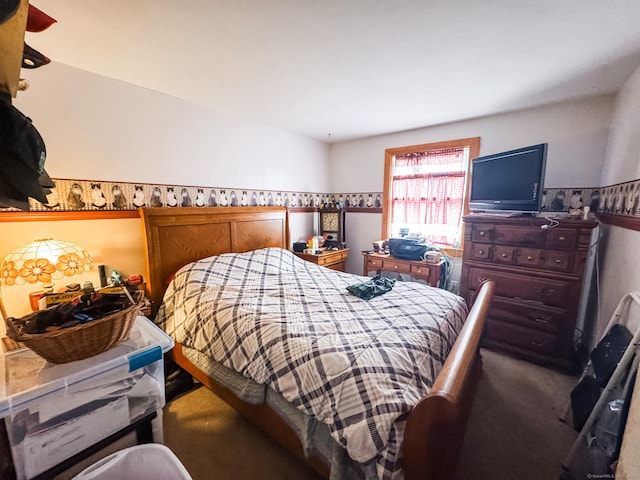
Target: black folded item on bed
(371,288)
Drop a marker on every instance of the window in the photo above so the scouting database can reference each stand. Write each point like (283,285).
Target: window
(426,189)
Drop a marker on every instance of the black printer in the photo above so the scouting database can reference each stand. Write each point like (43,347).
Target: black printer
(407,249)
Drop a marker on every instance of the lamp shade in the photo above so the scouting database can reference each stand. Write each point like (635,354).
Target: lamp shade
(44,261)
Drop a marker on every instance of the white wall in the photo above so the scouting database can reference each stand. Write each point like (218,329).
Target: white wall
(575,131)
(361,230)
(622,161)
(96,128)
(620,255)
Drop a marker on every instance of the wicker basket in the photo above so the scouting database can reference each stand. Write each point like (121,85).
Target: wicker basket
(81,341)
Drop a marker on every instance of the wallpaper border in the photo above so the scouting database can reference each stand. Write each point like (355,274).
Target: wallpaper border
(617,204)
(93,195)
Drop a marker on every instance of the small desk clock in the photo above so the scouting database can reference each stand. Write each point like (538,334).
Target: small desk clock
(332,225)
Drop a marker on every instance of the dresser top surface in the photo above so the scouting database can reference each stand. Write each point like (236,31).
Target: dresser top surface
(530,220)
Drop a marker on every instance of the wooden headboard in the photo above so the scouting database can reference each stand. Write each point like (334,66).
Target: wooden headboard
(175,237)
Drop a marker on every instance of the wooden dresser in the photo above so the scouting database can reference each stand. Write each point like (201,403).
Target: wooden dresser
(539,271)
(333,259)
(380,262)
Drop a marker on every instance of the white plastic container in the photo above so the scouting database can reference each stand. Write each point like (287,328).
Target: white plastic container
(141,462)
(54,411)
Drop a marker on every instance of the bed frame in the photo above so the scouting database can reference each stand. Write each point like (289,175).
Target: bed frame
(435,427)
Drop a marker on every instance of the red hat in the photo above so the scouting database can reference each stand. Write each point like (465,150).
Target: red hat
(37,20)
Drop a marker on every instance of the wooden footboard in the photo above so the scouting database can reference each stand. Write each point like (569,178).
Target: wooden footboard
(435,427)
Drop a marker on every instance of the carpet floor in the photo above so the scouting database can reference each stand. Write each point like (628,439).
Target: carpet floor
(514,431)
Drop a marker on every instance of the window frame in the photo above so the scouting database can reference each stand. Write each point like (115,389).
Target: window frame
(472,143)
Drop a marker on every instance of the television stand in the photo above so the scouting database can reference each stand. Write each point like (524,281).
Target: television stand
(542,279)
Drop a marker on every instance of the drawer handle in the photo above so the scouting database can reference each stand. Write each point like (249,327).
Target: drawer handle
(558,261)
(503,255)
(395,266)
(561,238)
(537,343)
(480,252)
(540,320)
(482,233)
(547,292)
(529,257)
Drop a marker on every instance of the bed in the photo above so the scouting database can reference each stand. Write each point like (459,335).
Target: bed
(197,256)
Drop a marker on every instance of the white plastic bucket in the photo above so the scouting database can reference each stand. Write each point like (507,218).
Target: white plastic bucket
(151,461)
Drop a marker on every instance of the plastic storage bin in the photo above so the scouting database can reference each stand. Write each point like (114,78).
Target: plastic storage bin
(151,461)
(53,411)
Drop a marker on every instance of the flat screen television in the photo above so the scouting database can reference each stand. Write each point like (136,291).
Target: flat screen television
(508,182)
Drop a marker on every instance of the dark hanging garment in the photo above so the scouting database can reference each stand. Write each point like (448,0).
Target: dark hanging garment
(22,157)
(31,58)
(8,8)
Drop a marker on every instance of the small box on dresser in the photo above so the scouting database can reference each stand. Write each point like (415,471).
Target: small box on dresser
(539,270)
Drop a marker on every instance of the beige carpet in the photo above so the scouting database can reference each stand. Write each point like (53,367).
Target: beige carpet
(513,433)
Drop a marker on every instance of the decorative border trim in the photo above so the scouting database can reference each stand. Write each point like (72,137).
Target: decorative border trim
(94,195)
(617,204)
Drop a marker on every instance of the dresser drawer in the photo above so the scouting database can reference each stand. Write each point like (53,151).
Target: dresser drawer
(481,251)
(561,239)
(419,270)
(542,317)
(519,236)
(534,340)
(339,266)
(395,266)
(333,257)
(558,261)
(374,264)
(530,257)
(545,259)
(504,254)
(482,233)
(544,290)
(322,261)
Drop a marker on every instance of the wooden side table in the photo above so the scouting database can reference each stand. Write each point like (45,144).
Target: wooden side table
(380,262)
(333,259)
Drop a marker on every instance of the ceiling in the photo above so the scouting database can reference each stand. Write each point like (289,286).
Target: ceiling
(337,70)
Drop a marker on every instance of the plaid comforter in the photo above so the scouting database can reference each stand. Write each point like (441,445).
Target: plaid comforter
(358,366)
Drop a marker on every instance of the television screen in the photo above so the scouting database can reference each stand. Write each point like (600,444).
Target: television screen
(509,181)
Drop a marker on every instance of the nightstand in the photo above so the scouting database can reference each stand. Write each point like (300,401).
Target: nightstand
(333,259)
(53,416)
(380,262)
